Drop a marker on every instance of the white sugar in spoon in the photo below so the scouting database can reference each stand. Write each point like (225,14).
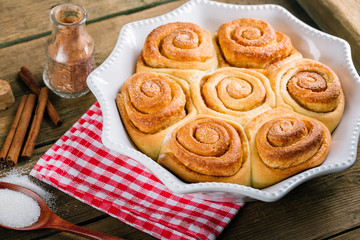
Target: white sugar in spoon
(48,219)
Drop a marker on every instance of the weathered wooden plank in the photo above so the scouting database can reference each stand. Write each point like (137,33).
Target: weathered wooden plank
(353,234)
(27,19)
(340,18)
(107,225)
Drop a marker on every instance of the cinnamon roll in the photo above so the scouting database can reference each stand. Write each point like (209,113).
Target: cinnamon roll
(151,105)
(207,149)
(310,88)
(235,93)
(181,49)
(283,143)
(252,43)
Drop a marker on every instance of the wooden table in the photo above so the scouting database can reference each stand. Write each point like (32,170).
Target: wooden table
(327,207)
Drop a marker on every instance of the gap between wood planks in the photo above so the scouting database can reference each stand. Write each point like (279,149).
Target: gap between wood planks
(83,224)
(343,233)
(125,12)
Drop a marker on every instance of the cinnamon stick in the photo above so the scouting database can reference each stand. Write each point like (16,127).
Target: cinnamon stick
(6,146)
(28,78)
(17,142)
(35,125)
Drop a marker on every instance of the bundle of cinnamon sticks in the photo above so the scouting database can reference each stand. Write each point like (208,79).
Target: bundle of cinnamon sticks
(11,149)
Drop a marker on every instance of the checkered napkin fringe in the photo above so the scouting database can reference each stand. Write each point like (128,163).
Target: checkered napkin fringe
(81,166)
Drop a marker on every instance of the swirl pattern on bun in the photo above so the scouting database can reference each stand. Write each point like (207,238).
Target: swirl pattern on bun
(207,149)
(180,49)
(283,143)
(310,88)
(150,105)
(234,93)
(252,43)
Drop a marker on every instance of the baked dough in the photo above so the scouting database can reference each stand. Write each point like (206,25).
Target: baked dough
(151,105)
(310,88)
(207,149)
(181,49)
(252,43)
(242,106)
(283,143)
(235,93)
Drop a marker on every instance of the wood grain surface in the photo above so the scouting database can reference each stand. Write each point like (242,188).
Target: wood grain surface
(26,19)
(327,207)
(340,18)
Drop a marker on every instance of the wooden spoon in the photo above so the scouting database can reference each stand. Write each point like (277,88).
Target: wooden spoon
(48,219)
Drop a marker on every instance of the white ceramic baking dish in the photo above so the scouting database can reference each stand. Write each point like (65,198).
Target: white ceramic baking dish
(107,79)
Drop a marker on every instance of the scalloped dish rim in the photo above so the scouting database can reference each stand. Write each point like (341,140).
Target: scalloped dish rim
(100,85)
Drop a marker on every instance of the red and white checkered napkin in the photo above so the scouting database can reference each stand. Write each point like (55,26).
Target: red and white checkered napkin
(80,165)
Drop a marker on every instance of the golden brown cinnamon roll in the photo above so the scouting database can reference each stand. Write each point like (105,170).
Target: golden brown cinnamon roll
(181,49)
(207,149)
(252,43)
(283,143)
(150,105)
(235,93)
(310,88)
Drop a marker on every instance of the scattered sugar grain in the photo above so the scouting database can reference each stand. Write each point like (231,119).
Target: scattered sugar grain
(17,209)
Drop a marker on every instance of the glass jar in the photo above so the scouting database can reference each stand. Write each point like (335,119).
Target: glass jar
(69,52)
